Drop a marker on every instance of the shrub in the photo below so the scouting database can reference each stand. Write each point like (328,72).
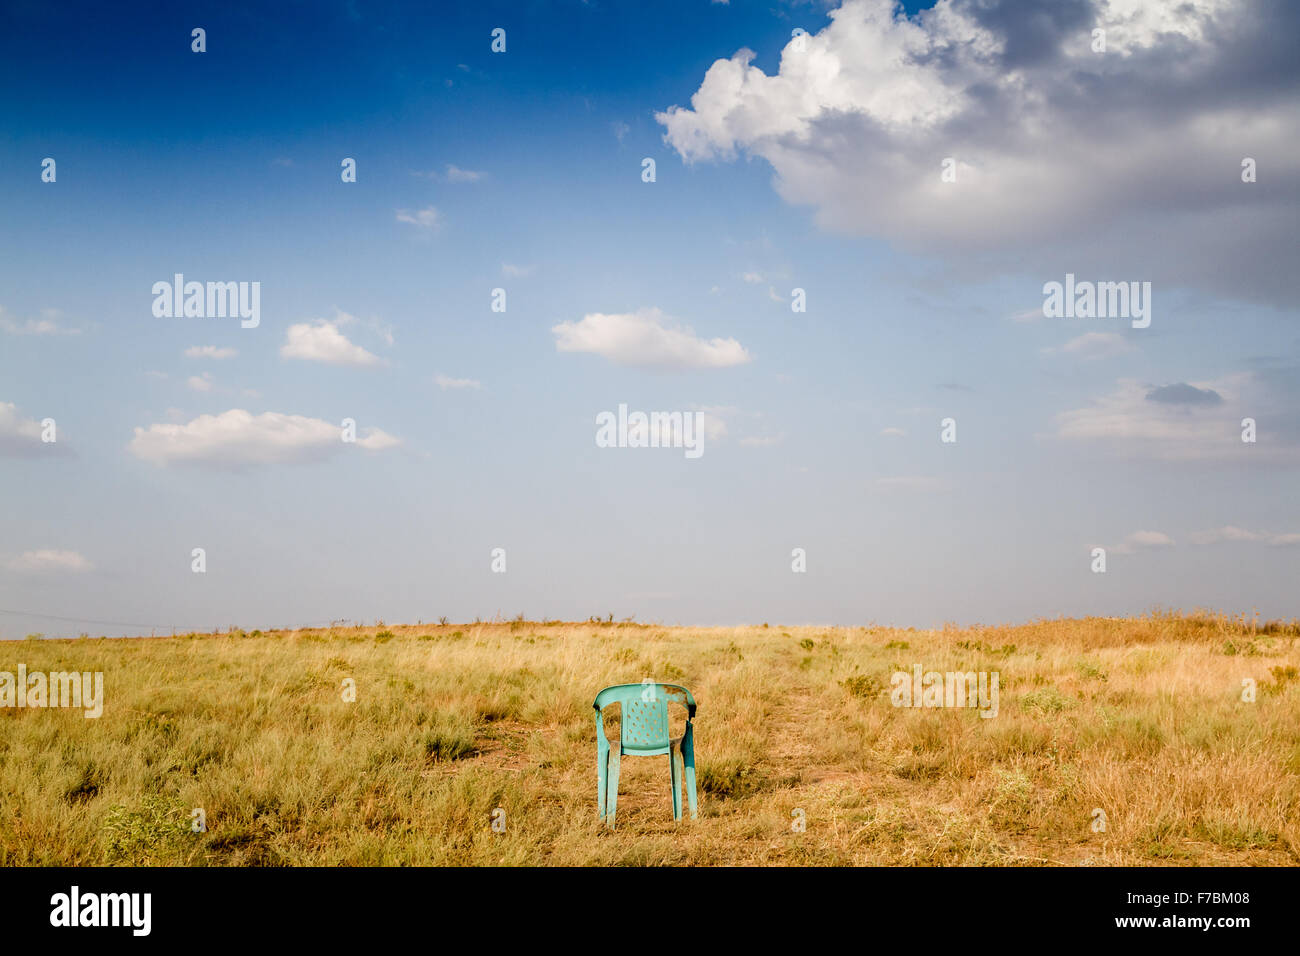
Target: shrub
(146,833)
(863,685)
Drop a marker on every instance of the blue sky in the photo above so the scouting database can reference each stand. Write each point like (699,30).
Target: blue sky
(816,168)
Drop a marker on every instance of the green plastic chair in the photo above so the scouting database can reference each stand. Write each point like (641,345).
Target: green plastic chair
(644,733)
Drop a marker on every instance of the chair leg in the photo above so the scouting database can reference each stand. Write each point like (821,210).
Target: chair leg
(611,795)
(602,780)
(676,775)
(688,760)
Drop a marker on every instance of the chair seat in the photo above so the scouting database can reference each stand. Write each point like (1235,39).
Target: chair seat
(674,746)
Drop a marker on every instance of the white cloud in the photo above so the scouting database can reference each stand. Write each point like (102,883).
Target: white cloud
(864,63)
(443,382)
(48,560)
(47,324)
(374,439)
(29,327)
(19,436)
(210,351)
(236,438)
(713,420)
(644,338)
(200,383)
(457,175)
(453,174)
(754,278)
(1140,540)
(881,98)
(1128,419)
(1150,539)
(321,341)
(1094,345)
(426,218)
(893,432)
(516,272)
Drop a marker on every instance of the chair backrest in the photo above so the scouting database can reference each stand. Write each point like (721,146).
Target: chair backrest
(644,718)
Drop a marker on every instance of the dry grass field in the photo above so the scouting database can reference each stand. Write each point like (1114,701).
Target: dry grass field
(1142,719)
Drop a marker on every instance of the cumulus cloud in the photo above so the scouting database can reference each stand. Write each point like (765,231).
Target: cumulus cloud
(321,341)
(1109,161)
(1191,421)
(645,338)
(47,560)
(238,438)
(1125,415)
